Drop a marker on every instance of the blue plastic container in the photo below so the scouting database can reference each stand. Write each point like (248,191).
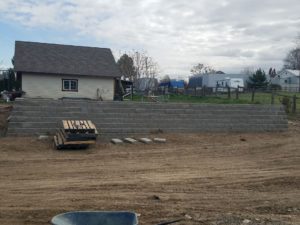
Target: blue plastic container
(95,218)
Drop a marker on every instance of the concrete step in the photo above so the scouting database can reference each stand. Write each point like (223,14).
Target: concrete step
(119,131)
(153,124)
(139,107)
(115,105)
(154,119)
(149,114)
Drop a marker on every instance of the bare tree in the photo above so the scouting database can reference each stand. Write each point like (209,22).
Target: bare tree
(201,68)
(144,65)
(292,60)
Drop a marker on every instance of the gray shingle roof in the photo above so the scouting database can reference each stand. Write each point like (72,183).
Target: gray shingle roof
(64,59)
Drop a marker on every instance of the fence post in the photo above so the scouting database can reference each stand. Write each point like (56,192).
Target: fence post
(294,104)
(229,94)
(253,93)
(131,91)
(237,93)
(272,97)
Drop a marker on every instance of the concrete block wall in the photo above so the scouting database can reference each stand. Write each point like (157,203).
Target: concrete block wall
(37,116)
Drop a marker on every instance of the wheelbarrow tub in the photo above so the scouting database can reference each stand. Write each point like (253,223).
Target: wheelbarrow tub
(95,218)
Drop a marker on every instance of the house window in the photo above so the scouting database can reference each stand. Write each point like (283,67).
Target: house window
(69,85)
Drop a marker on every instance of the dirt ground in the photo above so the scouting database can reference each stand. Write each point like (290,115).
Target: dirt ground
(213,179)
(4,114)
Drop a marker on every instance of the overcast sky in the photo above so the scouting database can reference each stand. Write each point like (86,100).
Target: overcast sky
(226,34)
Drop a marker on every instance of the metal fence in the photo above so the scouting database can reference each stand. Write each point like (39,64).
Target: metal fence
(290,100)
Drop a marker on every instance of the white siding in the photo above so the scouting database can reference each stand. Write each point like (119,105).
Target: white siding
(50,86)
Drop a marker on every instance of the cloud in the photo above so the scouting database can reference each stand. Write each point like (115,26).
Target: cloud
(227,34)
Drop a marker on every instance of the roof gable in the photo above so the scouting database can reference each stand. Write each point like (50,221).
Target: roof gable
(285,73)
(294,72)
(64,59)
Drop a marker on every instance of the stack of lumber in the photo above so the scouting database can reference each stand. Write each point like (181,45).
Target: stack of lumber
(75,134)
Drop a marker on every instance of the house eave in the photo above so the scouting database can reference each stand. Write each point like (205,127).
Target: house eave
(65,74)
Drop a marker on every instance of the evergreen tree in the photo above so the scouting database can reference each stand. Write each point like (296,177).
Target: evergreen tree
(126,67)
(258,80)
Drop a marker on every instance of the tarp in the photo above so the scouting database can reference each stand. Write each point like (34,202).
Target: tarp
(164,84)
(177,83)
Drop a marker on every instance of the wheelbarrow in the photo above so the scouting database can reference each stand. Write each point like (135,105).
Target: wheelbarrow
(99,218)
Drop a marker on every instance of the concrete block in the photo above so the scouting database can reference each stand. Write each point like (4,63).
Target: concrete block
(130,140)
(145,140)
(116,141)
(43,137)
(160,140)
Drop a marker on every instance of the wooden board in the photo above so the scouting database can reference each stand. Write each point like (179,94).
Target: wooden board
(86,124)
(92,126)
(60,139)
(55,141)
(91,142)
(65,124)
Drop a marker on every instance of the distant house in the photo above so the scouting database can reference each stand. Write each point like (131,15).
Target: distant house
(287,79)
(65,71)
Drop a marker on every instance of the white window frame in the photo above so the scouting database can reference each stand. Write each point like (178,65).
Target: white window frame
(70,86)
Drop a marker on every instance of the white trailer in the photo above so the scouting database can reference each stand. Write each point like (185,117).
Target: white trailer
(224,81)
(232,83)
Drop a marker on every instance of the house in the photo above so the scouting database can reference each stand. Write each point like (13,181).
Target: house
(65,71)
(287,79)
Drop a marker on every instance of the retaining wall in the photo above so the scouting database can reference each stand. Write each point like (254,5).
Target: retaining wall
(34,117)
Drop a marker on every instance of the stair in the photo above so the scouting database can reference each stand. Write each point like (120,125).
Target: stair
(38,116)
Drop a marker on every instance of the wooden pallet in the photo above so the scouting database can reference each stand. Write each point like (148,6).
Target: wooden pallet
(75,134)
(79,126)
